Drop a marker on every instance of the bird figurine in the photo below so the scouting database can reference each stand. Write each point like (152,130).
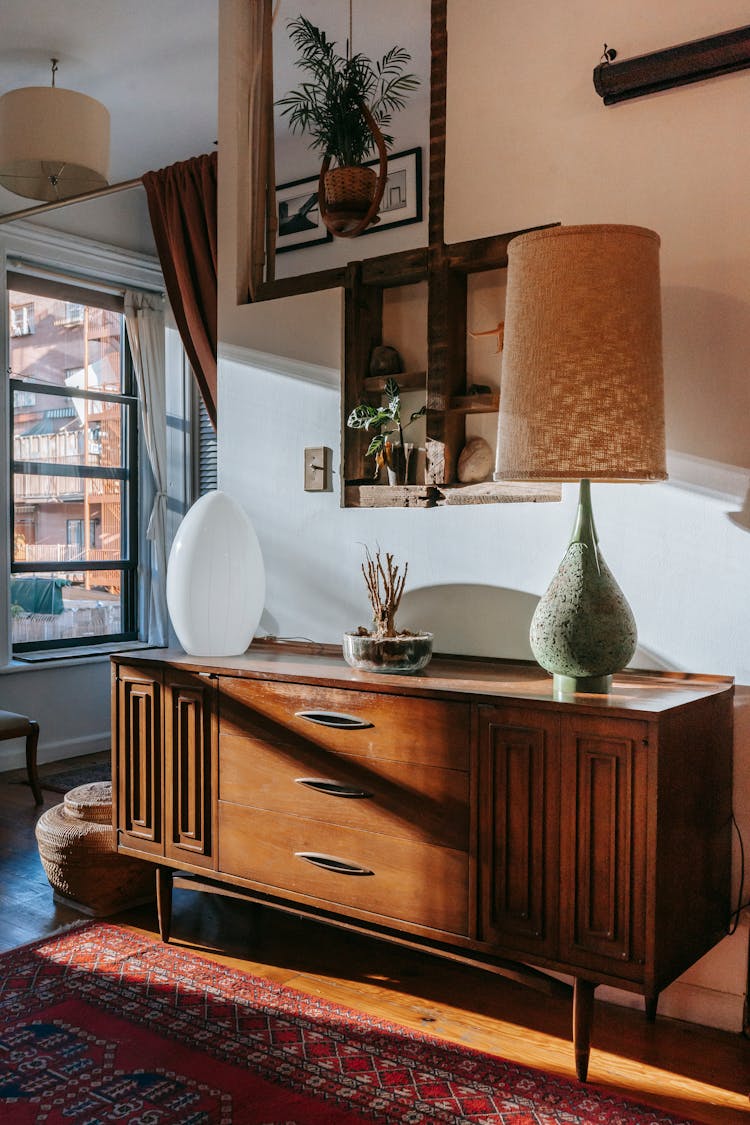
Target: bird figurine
(498,331)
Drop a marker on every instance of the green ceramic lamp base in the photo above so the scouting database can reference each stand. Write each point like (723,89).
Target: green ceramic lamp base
(569,685)
(583,628)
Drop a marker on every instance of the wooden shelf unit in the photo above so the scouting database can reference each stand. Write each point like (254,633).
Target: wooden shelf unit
(475,404)
(407,381)
(445,381)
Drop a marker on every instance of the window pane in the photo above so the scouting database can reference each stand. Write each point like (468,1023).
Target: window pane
(64,345)
(64,519)
(47,607)
(55,341)
(67,431)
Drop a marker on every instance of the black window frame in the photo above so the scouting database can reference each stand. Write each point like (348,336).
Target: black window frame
(128,474)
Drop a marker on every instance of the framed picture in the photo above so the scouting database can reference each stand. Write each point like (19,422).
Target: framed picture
(402,198)
(299,216)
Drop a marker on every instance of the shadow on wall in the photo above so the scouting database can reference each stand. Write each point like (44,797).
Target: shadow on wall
(472,620)
(486,621)
(742,518)
(706,385)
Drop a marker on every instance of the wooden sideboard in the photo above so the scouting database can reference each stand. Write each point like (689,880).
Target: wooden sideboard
(463,811)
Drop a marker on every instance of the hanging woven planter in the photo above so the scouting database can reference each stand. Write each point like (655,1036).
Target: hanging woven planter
(349,197)
(340,107)
(350,189)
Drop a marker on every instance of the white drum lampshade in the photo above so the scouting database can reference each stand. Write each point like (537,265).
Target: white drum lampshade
(216,581)
(54,143)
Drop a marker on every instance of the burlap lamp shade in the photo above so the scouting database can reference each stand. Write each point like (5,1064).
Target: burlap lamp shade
(582,386)
(54,143)
(582,398)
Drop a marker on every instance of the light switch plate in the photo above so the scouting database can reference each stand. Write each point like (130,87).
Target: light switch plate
(318,469)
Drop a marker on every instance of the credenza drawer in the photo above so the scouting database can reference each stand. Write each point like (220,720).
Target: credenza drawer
(398,799)
(360,723)
(382,875)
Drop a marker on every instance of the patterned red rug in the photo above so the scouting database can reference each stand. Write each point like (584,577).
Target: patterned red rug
(101,1025)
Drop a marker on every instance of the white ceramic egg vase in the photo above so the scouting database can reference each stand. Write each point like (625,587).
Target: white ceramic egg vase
(216,581)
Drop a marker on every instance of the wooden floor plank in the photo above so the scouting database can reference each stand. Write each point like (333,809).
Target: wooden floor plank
(698,1072)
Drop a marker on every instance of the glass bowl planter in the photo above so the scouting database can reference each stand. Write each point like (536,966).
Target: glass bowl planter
(403,654)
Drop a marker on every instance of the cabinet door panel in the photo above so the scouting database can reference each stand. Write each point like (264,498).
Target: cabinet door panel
(188,738)
(603,843)
(519,787)
(138,740)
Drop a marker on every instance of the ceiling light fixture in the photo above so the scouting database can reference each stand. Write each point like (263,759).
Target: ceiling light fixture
(54,143)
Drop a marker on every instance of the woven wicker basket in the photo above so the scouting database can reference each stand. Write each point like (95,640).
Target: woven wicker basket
(78,852)
(350,189)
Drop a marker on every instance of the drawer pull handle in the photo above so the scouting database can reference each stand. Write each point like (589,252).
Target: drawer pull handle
(332,863)
(333,719)
(332,788)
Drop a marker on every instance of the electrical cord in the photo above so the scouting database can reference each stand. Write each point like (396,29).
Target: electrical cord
(734,917)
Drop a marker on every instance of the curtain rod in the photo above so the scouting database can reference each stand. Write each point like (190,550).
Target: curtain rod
(29,268)
(124,185)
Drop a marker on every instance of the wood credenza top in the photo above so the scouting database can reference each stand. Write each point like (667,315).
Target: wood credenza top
(633,692)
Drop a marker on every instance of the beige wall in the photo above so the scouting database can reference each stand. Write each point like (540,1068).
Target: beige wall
(529,141)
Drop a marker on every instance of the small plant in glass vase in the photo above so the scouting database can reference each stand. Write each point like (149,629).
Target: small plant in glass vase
(383,648)
(393,456)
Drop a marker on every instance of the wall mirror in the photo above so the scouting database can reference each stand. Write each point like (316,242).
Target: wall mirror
(304,245)
(405,287)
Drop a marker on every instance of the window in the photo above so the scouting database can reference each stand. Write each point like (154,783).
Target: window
(74,470)
(207,473)
(74,313)
(22,319)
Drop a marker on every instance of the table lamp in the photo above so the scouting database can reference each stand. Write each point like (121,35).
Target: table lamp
(582,399)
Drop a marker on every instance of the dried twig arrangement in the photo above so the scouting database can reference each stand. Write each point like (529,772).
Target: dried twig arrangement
(384,587)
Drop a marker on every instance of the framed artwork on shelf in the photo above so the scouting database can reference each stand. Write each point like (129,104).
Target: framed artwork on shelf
(298,214)
(402,198)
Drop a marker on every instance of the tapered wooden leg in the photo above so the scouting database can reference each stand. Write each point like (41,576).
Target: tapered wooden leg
(32,741)
(651,1002)
(583,1011)
(164,901)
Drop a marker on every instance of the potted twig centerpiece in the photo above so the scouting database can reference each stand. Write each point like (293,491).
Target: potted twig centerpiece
(384,648)
(342,107)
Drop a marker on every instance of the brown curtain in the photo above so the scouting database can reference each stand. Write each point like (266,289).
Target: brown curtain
(182,206)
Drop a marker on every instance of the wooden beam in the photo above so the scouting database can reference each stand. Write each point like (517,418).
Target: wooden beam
(407,267)
(363,330)
(674,66)
(480,254)
(446,364)
(391,496)
(438,104)
(305,283)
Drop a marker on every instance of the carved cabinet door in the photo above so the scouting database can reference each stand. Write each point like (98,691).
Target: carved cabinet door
(189,736)
(137,739)
(604,841)
(519,828)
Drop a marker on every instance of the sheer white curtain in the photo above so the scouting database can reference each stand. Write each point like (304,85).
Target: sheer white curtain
(144,317)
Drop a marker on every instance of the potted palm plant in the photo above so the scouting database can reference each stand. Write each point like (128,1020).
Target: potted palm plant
(343,105)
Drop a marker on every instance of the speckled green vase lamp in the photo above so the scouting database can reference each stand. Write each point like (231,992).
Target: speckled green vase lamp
(582,399)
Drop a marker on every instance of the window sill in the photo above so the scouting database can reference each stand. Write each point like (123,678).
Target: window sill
(68,658)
